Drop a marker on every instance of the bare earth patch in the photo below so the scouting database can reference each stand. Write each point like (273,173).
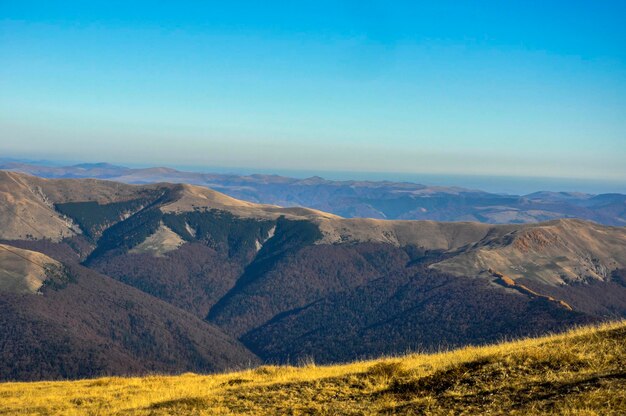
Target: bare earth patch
(159,243)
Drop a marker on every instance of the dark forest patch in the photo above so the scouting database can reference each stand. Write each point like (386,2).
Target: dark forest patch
(220,230)
(93,218)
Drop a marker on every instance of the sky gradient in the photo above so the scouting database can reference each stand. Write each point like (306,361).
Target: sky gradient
(495,88)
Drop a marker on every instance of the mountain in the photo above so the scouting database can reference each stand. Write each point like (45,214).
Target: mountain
(578,372)
(371,199)
(189,279)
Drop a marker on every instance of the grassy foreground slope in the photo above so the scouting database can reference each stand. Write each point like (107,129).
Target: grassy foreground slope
(579,372)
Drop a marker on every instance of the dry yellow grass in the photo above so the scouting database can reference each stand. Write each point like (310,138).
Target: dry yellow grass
(580,372)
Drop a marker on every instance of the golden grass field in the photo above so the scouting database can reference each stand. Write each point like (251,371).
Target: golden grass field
(582,372)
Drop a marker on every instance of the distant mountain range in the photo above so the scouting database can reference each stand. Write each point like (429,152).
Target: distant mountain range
(102,277)
(368,199)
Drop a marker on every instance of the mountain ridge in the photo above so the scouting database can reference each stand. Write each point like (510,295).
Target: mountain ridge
(376,199)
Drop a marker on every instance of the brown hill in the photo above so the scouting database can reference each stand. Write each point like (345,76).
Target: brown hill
(91,325)
(554,253)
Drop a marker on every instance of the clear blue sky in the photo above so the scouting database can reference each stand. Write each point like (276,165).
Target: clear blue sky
(529,88)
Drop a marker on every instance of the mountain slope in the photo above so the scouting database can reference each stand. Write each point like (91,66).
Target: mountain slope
(25,271)
(25,213)
(404,311)
(580,372)
(90,325)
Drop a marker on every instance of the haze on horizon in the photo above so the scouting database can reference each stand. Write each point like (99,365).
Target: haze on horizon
(513,89)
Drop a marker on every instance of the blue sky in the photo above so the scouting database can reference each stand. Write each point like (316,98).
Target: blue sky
(488,88)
